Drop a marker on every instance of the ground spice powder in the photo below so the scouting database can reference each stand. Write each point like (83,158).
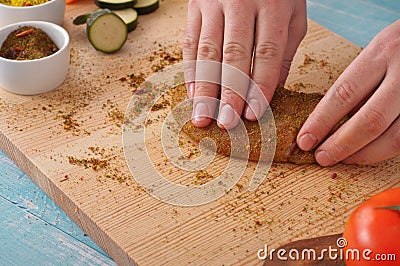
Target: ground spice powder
(27,43)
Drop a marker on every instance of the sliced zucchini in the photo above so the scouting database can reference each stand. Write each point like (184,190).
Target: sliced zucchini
(115,4)
(81,19)
(129,16)
(106,31)
(146,6)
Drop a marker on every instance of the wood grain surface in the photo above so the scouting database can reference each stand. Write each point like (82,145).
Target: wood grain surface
(34,230)
(53,136)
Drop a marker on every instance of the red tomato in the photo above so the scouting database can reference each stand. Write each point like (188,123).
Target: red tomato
(373,231)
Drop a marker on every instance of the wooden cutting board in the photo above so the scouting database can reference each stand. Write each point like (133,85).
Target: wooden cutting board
(69,142)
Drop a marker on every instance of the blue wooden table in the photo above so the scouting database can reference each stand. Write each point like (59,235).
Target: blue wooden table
(34,231)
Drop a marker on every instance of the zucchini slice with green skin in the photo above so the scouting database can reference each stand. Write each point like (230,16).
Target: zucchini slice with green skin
(81,19)
(115,4)
(129,16)
(146,6)
(106,31)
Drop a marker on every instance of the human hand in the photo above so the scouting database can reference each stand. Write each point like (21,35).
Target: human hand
(370,89)
(231,31)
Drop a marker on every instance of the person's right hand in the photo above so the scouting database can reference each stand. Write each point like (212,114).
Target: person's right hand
(232,32)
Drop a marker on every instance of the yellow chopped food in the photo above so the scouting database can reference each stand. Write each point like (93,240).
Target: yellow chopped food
(23,2)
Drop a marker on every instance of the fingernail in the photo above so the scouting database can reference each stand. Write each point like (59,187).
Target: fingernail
(190,90)
(226,115)
(324,159)
(252,111)
(201,112)
(307,141)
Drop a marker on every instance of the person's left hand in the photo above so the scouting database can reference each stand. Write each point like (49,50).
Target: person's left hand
(370,89)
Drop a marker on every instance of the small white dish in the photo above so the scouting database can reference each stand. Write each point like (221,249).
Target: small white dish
(30,77)
(52,11)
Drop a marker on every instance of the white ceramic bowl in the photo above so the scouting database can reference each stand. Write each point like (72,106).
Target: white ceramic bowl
(51,11)
(29,77)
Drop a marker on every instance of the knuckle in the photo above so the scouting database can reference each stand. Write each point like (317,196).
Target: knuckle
(193,3)
(323,127)
(339,151)
(235,51)
(208,51)
(373,122)
(189,43)
(205,89)
(345,92)
(261,90)
(385,41)
(229,95)
(236,4)
(384,45)
(267,51)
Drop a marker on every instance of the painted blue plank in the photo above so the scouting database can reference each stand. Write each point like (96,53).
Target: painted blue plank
(16,187)
(39,243)
(23,193)
(386,6)
(357,20)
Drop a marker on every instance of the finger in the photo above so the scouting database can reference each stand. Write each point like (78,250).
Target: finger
(385,147)
(237,53)
(210,49)
(374,118)
(354,85)
(190,43)
(271,36)
(361,103)
(297,31)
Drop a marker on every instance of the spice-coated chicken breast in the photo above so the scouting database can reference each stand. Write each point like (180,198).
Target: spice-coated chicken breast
(290,110)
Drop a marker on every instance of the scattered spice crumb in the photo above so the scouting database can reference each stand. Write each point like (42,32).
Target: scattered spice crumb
(163,103)
(65,178)
(298,86)
(134,80)
(202,177)
(69,123)
(115,114)
(94,163)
